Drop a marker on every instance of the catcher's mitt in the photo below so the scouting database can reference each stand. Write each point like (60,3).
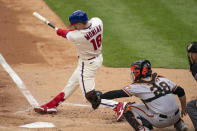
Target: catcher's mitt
(94,97)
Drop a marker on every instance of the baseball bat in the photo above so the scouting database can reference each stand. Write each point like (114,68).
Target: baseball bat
(37,15)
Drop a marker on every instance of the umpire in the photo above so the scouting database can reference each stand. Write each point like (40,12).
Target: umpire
(192,57)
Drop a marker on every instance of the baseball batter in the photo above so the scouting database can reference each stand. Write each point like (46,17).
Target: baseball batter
(192,57)
(160,108)
(87,36)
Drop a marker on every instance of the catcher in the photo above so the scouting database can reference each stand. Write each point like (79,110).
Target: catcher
(160,108)
(192,57)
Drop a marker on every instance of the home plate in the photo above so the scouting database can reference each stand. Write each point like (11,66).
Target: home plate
(39,125)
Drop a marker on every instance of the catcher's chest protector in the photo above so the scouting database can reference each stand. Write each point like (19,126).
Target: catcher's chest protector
(159,89)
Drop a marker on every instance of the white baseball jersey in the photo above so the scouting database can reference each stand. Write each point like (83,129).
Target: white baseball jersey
(88,41)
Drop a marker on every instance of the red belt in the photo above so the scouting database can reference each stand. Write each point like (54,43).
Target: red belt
(91,58)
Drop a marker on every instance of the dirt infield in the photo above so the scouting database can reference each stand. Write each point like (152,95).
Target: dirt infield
(45,62)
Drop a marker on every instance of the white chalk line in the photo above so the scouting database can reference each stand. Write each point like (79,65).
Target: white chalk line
(65,103)
(18,82)
(3,127)
(81,105)
(72,104)
(23,111)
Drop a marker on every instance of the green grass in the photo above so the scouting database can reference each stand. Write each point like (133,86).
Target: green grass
(157,30)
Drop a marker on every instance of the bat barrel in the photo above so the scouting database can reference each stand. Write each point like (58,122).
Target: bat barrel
(37,15)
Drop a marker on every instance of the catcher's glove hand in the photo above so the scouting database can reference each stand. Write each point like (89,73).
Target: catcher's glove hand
(94,97)
(96,100)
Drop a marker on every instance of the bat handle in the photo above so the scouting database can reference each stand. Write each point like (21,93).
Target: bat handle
(54,27)
(44,20)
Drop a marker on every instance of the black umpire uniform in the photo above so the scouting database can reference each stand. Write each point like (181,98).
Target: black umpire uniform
(192,105)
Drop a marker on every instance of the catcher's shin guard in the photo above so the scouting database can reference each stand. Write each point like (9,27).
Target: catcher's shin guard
(146,123)
(129,116)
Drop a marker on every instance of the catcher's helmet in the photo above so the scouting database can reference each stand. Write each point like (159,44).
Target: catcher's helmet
(78,16)
(141,69)
(192,47)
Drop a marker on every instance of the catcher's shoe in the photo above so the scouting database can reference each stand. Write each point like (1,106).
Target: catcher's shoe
(45,110)
(119,109)
(180,126)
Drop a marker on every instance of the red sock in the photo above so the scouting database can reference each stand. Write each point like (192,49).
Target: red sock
(56,101)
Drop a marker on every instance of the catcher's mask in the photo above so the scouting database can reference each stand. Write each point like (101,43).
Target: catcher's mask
(140,69)
(191,48)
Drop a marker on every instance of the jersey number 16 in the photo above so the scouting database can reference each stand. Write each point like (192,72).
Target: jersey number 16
(97,42)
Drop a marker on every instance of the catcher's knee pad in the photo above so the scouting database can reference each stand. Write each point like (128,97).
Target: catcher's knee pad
(94,98)
(130,117)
